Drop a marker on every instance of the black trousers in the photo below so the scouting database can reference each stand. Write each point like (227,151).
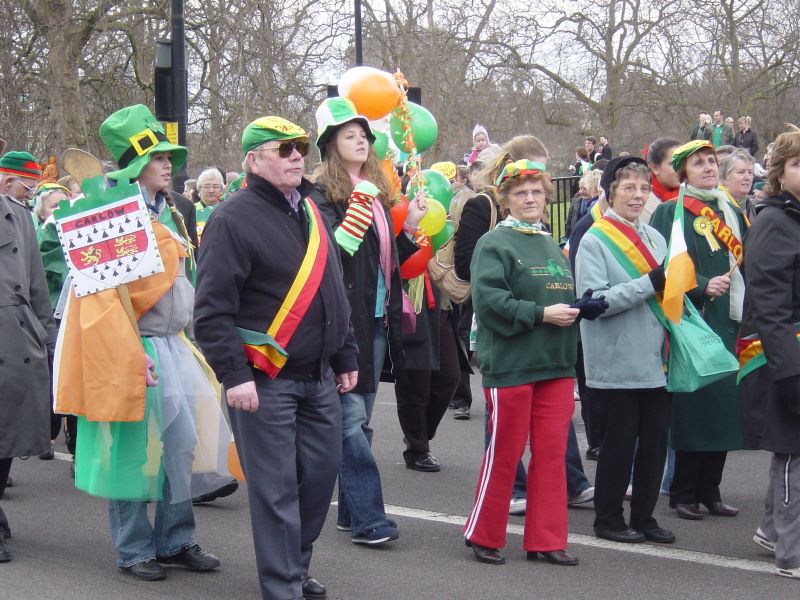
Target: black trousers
(642,415)
(5,467)
(423,396)
(463,395)
(593,412)
(697,477)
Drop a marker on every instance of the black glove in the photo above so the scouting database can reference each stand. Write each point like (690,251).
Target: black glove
(590,308)
(788,393)
(657,278)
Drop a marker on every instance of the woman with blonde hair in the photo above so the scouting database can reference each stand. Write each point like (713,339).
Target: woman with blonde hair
(746,137)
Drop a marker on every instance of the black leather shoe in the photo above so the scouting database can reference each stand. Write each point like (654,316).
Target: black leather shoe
(556,557)
(313,589)
(427,464)
(721,509)
(490,556)
(624,536)
(691,512)
(5,555)
(593,454)
(225,490)
(50,454)
(192,558)
(148,570)
(659,535)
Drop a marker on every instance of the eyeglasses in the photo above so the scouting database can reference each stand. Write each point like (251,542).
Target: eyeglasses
(630,189)
(286,148)
(28,188)
(211,187)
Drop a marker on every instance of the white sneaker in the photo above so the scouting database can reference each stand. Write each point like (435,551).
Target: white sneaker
(584,497)
(517,506)
(791,573)
(761,540)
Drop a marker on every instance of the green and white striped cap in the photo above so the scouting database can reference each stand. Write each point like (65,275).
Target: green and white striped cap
(332,114)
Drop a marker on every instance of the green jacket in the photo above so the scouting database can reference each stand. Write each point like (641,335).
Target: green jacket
(709,419)
(514,277)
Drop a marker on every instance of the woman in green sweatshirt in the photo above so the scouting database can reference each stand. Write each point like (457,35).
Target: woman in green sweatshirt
(522,289)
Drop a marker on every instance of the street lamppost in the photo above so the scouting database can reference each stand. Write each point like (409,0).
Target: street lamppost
(359,49)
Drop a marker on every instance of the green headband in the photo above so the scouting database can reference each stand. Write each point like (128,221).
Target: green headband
(521,168)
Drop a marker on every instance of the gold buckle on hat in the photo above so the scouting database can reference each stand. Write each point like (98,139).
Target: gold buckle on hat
(143,141)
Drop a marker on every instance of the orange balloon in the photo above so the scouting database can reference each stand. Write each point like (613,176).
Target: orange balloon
(375,94)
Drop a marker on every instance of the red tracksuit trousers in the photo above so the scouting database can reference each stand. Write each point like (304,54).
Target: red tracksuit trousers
(540,412)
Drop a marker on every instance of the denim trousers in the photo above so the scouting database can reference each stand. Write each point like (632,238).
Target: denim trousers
(576,478)
(360,492)
(137,541)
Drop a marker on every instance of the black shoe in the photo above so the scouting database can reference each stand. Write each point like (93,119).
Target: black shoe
(461,413)
(593,454)
(313,589)
(555,557)
(50,454)
(225,490)
(5,555)
(624,536)
(721,509)
(490,556)
(658,535)
(148,570)
(193,558)
(690,512)
(427,464)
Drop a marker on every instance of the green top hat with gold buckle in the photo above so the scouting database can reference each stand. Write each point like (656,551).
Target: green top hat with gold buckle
(132,134)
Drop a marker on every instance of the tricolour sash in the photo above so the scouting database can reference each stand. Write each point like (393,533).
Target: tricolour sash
(751,353)
(267,351)
(596,212)
(716,223)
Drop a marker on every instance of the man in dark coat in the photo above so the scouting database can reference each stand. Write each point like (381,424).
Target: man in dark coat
(28,338)
(770,368)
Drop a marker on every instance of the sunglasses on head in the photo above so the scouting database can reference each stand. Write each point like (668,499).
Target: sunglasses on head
(286,148)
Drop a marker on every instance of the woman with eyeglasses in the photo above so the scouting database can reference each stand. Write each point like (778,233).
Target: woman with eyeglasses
(209,189)
(355,197)
(522,292)
(620,257)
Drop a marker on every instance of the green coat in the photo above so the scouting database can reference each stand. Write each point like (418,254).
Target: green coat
(710,419)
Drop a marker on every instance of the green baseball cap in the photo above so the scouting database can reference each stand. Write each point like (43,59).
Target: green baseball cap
(267,129)
(132,134)
(332,114)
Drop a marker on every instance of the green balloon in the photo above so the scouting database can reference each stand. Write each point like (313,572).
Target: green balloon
(436,186)
(444,236)
(381,144)
(423,127)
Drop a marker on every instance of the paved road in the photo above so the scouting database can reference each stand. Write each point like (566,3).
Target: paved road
(62,548)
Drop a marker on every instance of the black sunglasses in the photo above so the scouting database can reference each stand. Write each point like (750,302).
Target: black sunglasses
(286,148)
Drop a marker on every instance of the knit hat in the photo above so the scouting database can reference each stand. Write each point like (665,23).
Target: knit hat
(480,129)
(611,168)
(132,134)
(521,168)
(681,153)
(22,164)
(267,129)
(447,168)
(332,114)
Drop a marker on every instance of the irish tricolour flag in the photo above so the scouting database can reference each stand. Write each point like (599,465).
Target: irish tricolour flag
(680,272)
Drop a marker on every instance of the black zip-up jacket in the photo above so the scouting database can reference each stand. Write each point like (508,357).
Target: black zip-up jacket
(253,245)
(747,140)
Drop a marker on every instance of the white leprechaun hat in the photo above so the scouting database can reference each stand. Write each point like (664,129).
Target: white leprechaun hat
(332,114)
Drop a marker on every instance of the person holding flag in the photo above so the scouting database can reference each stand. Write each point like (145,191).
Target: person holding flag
(705,236)
(620,258)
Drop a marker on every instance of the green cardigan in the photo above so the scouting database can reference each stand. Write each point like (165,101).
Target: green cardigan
(514,276)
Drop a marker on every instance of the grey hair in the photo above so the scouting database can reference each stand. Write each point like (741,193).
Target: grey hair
(728,164)
(209,173)
(38,208)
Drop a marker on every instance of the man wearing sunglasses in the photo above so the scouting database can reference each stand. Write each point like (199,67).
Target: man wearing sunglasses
(19,175)
(28,331)
(273,320)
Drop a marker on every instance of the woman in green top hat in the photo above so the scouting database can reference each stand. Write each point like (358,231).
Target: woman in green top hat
(708,423)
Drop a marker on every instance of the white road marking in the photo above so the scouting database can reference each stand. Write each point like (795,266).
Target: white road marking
(644,549)
(63,456)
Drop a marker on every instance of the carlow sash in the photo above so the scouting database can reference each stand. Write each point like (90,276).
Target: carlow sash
(267,351)
(630,251)
(751,353)
(708,223)
(595,212)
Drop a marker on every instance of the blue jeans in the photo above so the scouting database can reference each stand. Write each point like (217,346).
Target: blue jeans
(669,472)
(137,541)
(360,493)
(576,478)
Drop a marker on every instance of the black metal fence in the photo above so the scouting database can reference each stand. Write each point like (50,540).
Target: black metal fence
(559,207)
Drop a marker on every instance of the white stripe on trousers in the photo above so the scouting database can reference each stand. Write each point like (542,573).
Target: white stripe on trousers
(786,472)
(483,482)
